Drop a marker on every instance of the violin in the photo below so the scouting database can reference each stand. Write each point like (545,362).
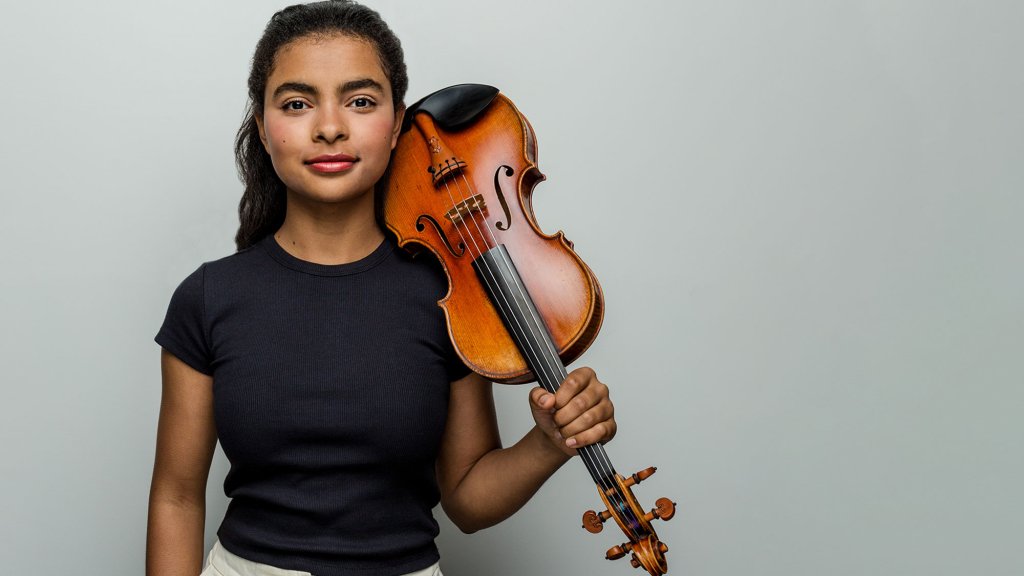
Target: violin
(521,303)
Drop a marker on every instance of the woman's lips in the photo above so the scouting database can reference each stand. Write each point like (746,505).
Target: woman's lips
(329,163)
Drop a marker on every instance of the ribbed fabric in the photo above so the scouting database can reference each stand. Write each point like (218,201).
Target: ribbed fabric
(330,392)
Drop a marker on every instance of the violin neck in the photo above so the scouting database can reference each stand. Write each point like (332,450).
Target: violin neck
(509,295)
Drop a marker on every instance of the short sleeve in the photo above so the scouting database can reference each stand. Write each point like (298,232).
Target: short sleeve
(184,331)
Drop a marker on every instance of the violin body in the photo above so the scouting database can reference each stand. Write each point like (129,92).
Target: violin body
(521,303)
(493,189)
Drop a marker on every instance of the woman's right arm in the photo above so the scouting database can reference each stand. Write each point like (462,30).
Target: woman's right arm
(185,441)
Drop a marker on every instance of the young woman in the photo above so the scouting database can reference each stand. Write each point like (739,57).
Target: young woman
(317,354)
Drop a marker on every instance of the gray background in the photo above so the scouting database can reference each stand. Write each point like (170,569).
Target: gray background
(805,215)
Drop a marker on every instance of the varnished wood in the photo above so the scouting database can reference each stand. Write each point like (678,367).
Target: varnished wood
(565,291)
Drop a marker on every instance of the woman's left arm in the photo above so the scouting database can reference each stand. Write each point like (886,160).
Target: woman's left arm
(482,483)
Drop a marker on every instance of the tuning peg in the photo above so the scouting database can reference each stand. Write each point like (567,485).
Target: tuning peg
(640,476)
(594,522)
(616,552)
(664,509)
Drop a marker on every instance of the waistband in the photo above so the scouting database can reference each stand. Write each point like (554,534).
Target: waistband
(226,563)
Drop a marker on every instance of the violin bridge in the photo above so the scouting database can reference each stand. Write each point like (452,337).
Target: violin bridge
(464,209)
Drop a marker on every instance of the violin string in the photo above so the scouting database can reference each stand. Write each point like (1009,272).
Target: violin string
(587,453)
(492,280)
(604,480)
(476,257)
(525,343)
(604,466)
(551,367)
(591,454)
(456,220)
(461,219)
(484,264)
(548,367)
(545,367)
(605,472)
(603,456)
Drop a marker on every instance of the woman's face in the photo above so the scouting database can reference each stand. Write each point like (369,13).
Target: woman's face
(328,121)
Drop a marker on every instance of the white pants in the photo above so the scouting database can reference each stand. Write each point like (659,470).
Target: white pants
(220,562)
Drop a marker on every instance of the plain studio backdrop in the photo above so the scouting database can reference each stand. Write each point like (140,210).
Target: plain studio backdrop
(806,216)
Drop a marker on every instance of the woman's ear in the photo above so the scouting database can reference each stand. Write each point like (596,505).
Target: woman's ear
(399,116)
(260,128)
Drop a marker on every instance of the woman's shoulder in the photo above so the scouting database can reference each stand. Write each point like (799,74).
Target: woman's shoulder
(250,259)
(234,269)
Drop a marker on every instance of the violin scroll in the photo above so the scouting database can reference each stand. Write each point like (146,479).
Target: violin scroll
(646,550)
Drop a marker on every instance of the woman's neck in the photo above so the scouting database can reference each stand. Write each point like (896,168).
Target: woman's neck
(336,233)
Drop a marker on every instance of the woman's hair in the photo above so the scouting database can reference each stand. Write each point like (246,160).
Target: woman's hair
(262,208)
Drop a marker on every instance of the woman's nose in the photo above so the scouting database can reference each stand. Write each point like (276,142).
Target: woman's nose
(330,125)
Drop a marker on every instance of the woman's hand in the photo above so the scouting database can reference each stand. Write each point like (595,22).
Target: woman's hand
(579,413)
(482,483)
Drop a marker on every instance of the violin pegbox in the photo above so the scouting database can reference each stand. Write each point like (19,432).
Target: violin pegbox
(646,550)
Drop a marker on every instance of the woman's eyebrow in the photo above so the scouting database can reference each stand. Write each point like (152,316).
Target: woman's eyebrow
(351,85)
(299,87)
(361,84)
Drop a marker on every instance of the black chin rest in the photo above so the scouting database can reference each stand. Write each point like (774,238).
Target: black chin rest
(453,107)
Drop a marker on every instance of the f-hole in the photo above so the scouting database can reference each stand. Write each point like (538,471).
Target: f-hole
(440,232)
(501,196)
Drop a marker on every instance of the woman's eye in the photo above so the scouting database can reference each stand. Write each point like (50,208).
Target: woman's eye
(295,105)
(362,103)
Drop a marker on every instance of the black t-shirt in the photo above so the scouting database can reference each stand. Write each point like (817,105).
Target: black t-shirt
(330,387)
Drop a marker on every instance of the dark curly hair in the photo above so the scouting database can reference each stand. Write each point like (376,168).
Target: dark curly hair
(262,208)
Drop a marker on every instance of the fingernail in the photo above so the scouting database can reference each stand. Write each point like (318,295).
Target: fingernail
(570,442)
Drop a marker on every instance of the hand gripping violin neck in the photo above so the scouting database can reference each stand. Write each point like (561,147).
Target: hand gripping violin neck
(521,304)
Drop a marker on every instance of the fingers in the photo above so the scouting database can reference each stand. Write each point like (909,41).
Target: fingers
(600,413)
(584,413)
(580,393)
(597,434)
(541,399)
(577,381)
